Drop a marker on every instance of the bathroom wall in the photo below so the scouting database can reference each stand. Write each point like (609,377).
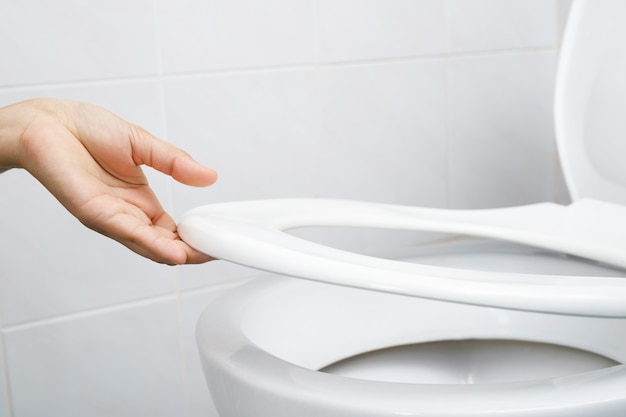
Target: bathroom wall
(442,103)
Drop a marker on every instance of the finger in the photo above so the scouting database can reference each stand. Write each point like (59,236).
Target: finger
(132,228)
(197,258)
(157,244)
(175,252)
(193,256)
(170,160)
(166,222)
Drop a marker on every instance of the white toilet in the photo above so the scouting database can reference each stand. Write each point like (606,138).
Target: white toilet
(530,324)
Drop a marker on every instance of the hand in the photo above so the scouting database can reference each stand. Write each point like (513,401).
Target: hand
(90,160)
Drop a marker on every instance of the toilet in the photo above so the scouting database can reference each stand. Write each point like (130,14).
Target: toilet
(525,315)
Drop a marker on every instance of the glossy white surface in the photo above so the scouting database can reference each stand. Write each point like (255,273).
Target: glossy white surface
(590,90)
(251,234)
(196,390)
(485,361)
(267,340)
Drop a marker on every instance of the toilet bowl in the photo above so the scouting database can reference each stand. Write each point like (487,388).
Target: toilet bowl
(279,346)
(533,324)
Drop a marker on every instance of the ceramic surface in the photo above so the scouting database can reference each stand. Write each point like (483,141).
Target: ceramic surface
(275,334)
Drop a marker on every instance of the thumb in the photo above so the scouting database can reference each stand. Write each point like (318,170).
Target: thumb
(170,160)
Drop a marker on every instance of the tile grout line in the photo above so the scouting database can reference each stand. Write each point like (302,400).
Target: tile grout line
(446,108)
(176,274)
(60,318)
(559,26)
(184,372)
(277,68)
(319,185)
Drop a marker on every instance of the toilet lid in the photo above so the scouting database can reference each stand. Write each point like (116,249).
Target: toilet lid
(590,99)
(252,234)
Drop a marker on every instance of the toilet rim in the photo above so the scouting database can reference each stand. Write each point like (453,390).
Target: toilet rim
(252,233)
(223,341)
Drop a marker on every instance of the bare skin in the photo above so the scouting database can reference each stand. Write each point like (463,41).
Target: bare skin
(90,160)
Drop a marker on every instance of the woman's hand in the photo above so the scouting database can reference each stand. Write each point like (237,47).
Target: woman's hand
(90,160)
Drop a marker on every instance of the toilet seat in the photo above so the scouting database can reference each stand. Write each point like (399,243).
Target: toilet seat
(252,234)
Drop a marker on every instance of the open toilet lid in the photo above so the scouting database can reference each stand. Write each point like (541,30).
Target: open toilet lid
(590,99)
(252,234)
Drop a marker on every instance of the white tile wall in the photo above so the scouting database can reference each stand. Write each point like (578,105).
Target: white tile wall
(45,41)
(219,34)
(352,30)
(257,129)
(382,122)
(501,149)
(117,362)
(482,25)
(428,102)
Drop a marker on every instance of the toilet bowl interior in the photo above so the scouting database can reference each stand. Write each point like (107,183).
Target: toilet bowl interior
(468,253)
(316,325)
(475,361)
(498,256)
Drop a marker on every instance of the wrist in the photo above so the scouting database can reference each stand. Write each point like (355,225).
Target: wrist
(13,123)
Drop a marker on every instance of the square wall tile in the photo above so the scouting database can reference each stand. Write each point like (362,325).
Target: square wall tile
(199,35)
(258,130)
(375,29)
(482,25)
(52,264)
(122,362)
(383,133)
(502,148)
(45,41)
